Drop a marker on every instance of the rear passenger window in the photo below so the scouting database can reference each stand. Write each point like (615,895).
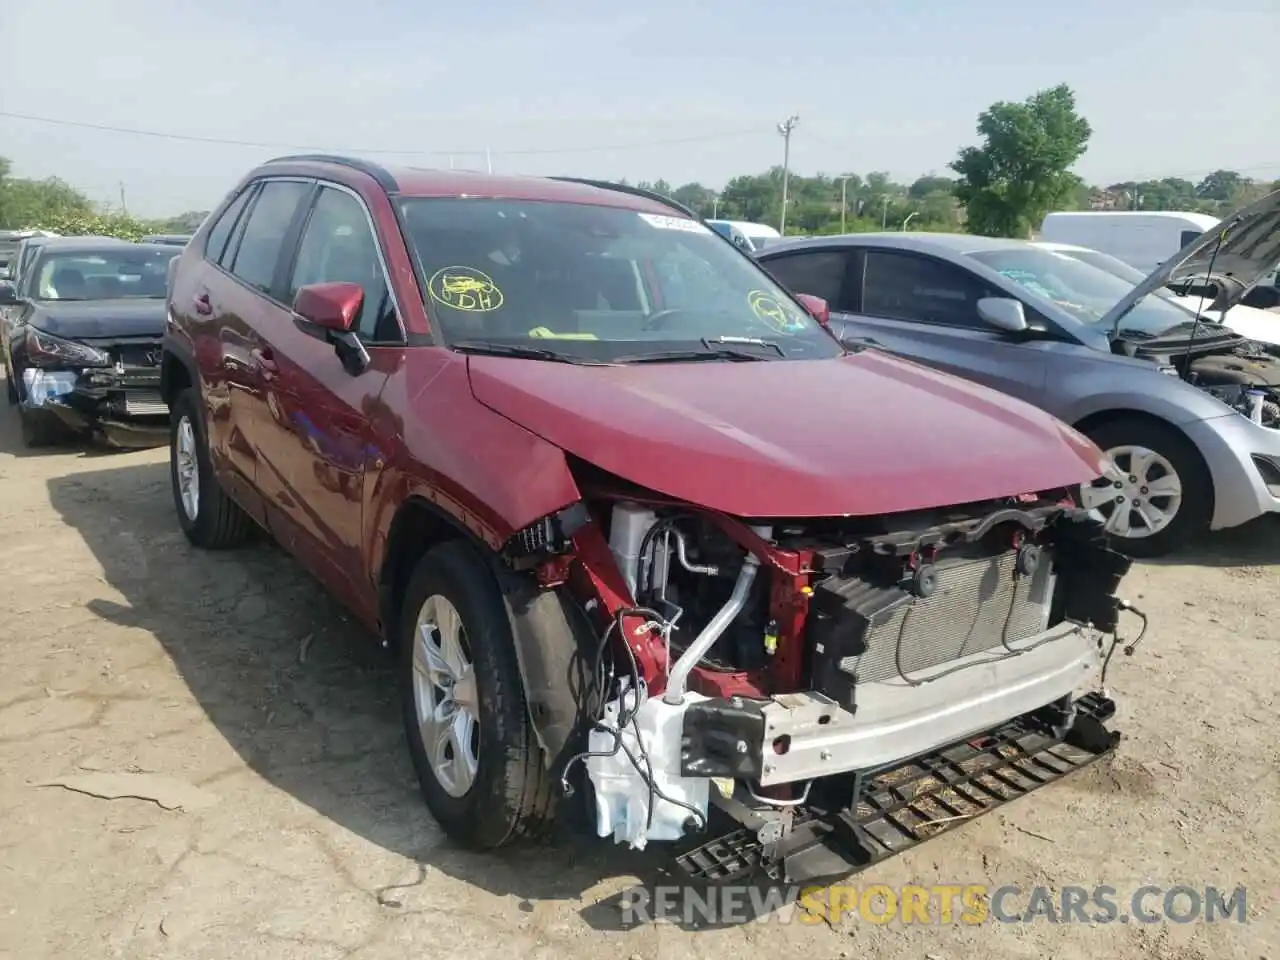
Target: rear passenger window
(338,246)
(1188,236)
(259,249)
(819,273)
(221,231)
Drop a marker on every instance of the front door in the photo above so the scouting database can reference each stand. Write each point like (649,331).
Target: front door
(317,440)
(926,310)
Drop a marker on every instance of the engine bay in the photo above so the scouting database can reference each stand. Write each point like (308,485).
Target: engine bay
(1243,374)
(762,662)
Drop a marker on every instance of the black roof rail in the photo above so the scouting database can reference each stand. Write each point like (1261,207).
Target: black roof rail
(375,170)
(634,191)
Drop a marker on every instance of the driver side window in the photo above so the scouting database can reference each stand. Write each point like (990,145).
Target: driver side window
(904,286)
(338,246)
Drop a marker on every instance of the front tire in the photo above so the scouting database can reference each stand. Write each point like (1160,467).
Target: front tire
(479,765)
(1161,495)
(209,518)
(39,430)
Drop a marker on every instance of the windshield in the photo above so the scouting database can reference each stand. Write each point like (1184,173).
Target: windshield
(598,283)
(130,272)
(1115,267)
(1083,290)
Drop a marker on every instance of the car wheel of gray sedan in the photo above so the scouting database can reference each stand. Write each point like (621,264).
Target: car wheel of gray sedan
(208,517)
(478,761)
(1158,493)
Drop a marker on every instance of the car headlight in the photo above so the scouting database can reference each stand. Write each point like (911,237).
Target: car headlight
(46,350)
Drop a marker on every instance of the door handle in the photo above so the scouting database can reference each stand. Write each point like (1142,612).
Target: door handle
(265,363)
(202,303)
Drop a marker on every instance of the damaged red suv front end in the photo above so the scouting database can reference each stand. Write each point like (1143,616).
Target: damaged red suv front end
(642,530)
(789,611)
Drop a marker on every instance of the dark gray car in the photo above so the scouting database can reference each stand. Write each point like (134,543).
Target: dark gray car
(1187,410)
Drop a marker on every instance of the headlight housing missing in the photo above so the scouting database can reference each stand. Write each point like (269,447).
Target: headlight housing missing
(46,350)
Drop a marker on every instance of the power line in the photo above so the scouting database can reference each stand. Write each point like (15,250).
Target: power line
(191,138)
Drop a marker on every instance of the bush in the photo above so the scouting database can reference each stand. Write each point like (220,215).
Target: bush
(94,225)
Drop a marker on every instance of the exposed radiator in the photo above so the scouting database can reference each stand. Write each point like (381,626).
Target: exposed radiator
(867,632)
(977,605)
(144,403)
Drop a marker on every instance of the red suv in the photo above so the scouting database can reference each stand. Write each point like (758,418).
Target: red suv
(636,522)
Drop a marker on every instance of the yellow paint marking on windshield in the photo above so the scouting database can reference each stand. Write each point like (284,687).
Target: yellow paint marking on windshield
(548,334)
(466,289)
(772,312)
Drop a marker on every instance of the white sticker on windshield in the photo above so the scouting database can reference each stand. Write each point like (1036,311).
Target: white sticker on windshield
(673,223)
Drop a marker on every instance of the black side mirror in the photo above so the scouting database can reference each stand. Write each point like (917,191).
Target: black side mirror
(8,295)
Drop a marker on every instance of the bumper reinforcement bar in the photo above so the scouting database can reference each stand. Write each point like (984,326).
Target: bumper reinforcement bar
(897,807)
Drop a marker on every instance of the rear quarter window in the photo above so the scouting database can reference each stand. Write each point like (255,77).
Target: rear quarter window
(221,231)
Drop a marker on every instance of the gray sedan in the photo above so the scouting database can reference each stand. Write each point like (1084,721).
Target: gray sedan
(1187,410)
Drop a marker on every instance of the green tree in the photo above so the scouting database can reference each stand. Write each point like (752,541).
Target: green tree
(929,184)
(1221,185)
(699,199)
(26,203)
(756,197)
(1023,168)
(187,222)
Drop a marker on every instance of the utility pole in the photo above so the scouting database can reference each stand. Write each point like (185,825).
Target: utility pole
(124,207)
(488,159)
(785,128)
(844,202)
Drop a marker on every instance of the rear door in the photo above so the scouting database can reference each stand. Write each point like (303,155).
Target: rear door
(316,441)
(237,300)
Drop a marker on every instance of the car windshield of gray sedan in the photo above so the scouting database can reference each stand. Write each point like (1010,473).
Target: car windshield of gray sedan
(587,283)
(124,273)
(1081,289)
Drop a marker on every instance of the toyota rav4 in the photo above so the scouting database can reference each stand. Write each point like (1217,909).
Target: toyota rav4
(640,528)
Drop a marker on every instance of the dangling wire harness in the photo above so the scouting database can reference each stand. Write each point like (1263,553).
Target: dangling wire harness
(653,620)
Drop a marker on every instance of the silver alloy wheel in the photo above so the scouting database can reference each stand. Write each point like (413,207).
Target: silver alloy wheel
(188,469)
(1141,484)
(444,695)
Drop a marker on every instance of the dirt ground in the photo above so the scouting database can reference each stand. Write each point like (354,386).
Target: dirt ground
(123,650)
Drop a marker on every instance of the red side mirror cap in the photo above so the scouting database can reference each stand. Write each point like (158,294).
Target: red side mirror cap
(334,306)
(816,306)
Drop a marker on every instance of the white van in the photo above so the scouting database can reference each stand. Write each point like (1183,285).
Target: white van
(749,236)
(1144,240)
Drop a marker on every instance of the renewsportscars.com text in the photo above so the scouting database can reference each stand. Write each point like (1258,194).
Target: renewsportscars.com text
(968,904)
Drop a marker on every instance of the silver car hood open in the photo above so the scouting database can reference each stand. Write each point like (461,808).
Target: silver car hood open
(1236,254)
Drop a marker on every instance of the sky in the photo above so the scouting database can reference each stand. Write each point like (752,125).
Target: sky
(675,90)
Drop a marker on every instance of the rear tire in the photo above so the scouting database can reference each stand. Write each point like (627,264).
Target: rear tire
(504,794)
(209,518)
(1156,451)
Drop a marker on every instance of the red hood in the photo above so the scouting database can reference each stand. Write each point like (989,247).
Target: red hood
(861,435)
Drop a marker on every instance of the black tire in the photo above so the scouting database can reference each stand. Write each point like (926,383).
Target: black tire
(510,796)
(1196,509)
(219,523)
(39,430)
